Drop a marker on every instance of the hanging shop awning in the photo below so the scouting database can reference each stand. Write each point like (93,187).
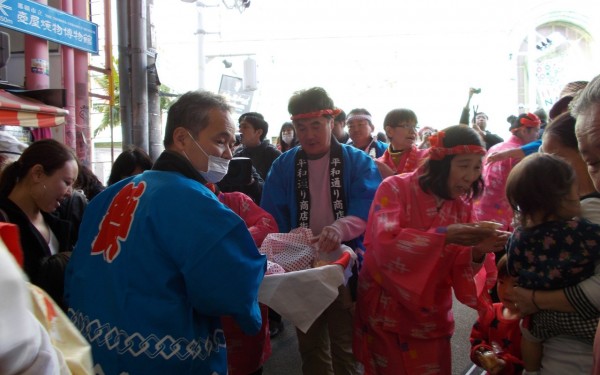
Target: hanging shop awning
(22,111)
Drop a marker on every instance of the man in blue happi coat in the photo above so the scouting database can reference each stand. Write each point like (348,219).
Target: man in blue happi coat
(159,259)
(327,187)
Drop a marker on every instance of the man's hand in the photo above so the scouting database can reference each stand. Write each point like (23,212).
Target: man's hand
(329,239)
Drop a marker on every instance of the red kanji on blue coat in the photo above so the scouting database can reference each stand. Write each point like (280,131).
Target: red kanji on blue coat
(114,227)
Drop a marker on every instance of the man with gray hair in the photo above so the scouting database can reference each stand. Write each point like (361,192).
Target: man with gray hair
(159,259)
(586,109)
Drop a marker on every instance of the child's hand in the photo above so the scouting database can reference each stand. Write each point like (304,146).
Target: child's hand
(490,361)
(497,369)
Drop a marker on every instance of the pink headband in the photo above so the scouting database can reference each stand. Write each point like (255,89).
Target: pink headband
(323,112)
(438,151)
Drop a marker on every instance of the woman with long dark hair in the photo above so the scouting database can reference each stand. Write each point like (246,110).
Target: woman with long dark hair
(30,189)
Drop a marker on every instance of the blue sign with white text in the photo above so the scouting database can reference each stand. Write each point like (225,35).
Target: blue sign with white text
(49,23)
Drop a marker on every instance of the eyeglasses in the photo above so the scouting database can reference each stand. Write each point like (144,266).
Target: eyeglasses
(405,125)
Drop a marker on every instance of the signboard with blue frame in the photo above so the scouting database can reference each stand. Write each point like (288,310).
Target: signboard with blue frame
(49,23)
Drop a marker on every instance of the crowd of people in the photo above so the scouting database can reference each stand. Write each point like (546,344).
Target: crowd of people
(159,271)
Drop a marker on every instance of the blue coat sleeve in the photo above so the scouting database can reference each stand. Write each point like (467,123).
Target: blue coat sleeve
(279,193)
(236,271)
(531,147)
(221,266)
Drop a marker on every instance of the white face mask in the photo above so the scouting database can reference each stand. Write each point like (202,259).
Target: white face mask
(287,138)
(217,167)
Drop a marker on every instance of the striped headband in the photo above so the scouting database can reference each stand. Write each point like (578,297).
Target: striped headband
(322,112)
(437,151)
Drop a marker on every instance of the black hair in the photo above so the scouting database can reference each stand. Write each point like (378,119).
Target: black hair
(399,115)
(538,184)
(341,117)
(310,100)
(435,174)
(192,112)
(128,161)
(88,182)
(50,154)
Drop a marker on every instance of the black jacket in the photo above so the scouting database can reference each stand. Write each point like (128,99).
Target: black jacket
(262,156)
(35,248)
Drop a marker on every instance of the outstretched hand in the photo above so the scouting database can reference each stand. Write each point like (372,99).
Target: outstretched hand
(328,240)
(467,234)
(495,242)
(484,240)
(505,154)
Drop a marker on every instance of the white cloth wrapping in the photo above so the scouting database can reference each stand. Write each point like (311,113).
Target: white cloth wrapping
(301,296)
(25,346)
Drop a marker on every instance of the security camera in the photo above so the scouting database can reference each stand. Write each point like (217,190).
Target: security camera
(228,64)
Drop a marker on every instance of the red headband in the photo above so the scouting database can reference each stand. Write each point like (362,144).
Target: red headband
(529,120)
(438,151)
(323,112)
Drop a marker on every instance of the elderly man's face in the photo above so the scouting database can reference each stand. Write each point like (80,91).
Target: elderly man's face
(216,139)
(587,130)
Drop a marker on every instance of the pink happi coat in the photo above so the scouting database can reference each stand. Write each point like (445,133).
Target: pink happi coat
(259,222)
(493,205)
(404,320)
(409,161)
(246,354)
